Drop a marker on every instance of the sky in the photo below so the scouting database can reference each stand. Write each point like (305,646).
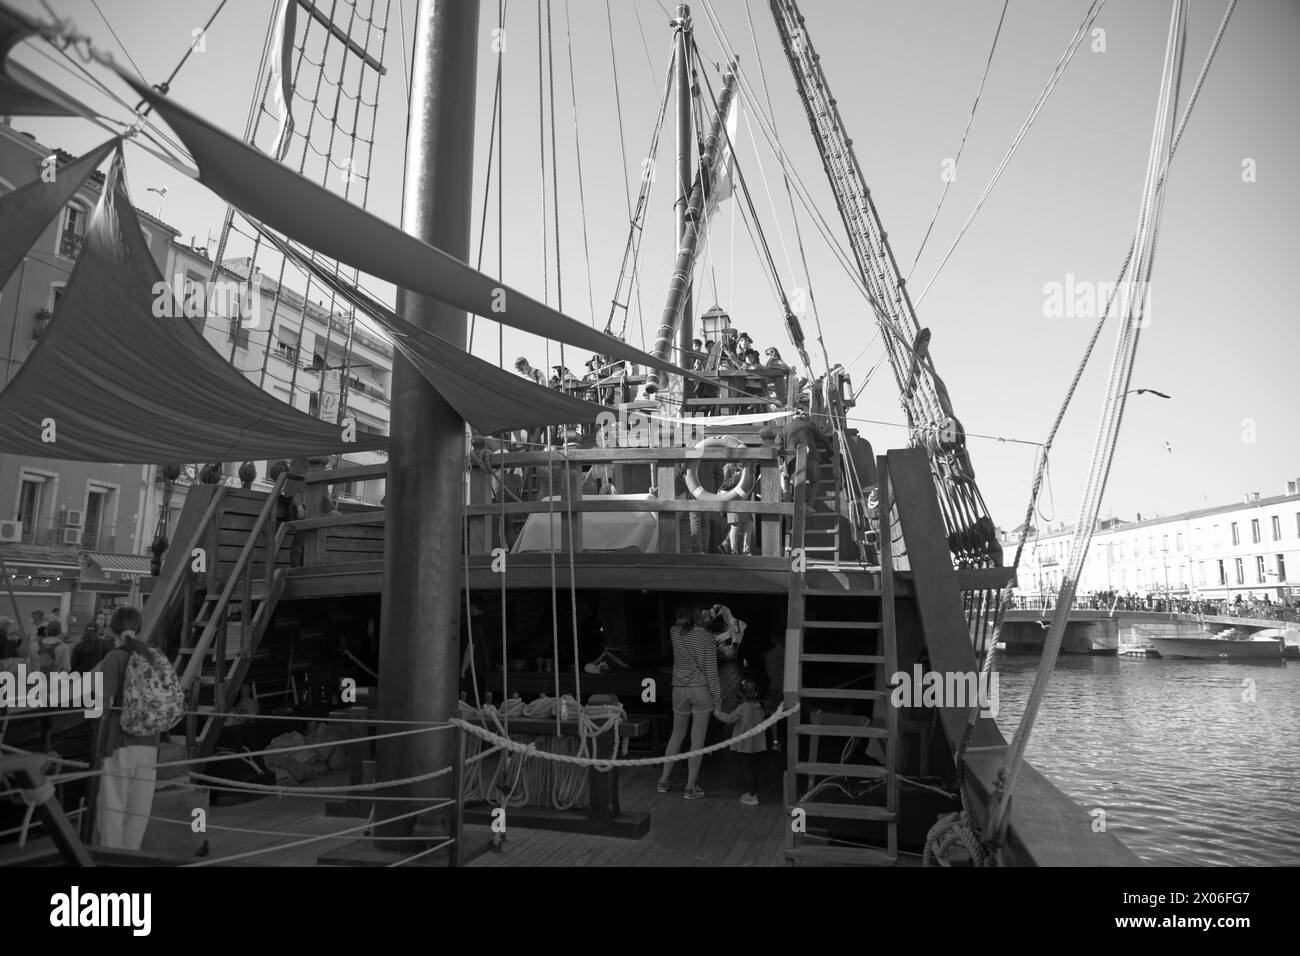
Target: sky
(1222,335)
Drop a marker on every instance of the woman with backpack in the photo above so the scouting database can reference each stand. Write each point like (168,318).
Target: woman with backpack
(144,698)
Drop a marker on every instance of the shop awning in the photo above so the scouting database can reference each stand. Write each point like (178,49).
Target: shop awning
(37,561)
(118,563)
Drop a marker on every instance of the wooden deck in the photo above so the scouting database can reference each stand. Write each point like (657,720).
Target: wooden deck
(716,831)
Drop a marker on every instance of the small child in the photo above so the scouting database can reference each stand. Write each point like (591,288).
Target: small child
(747,715)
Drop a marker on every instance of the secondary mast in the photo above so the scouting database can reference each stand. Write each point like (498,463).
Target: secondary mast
(685,144)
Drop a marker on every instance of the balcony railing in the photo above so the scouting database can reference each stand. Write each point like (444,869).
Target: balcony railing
(55,533)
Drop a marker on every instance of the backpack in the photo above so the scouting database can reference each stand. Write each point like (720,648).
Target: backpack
(152,698)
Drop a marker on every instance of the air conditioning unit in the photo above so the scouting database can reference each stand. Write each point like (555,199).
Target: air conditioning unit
(74,519)
(11,531)
(71,536)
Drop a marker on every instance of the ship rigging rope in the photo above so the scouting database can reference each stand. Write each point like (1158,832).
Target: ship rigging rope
(603,765)
(1071,49)
(1120,376)
(81,775)
(789,190)
(496,121)
(577,149)
(948,180)
(1042,464)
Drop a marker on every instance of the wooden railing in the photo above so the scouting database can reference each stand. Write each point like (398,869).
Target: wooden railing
(652,471)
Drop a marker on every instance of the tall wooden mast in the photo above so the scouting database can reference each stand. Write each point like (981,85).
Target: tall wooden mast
(685,146)
(419,654)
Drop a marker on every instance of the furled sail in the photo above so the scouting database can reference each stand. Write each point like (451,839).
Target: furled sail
(312,215)
(122,376)
(487,397)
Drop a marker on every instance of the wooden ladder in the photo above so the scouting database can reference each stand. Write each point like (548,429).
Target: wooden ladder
(821,537)
(840,652)
(212,671)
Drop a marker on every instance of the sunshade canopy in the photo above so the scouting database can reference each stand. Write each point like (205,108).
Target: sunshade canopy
(113,380)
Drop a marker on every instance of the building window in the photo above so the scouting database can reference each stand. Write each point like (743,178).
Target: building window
(1236,535)
(240,335)
(1277,528)
(1223,574)
(74,227)
(1259,568)
(1281,568)
(98,534)
(1216,534)
(1178,542)
(1254,530)
(31,502)
(286,351)
(1241,571)
(1164,542)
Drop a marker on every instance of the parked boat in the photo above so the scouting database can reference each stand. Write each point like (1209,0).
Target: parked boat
(1231,645)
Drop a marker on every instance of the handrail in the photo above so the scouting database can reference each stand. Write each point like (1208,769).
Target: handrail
(155,611)
(195,664)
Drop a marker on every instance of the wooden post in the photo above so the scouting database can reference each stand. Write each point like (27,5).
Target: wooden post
(419,652)
(569,508)
(769,488)
(669,522)
(480,526)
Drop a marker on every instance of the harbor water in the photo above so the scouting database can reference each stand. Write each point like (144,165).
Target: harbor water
(1189,769)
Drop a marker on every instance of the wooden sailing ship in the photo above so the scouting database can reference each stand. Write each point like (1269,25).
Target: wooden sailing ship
(863,566)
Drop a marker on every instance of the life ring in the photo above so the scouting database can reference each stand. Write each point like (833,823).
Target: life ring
(692,478)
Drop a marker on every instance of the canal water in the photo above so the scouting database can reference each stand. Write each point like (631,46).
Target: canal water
(1189,770)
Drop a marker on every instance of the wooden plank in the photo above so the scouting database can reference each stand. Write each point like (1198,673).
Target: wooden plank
(347,474)
(972,579)
(336,521)
(943,618)
(1046,827)
(889,634)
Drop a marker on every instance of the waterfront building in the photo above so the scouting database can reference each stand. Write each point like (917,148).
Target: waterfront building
(1249,548)
(76,535)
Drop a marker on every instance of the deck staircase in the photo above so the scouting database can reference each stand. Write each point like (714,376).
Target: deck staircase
(213,619)
(841,747)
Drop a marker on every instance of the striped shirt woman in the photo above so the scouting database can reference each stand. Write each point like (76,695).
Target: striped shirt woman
(696,693)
